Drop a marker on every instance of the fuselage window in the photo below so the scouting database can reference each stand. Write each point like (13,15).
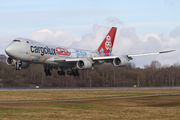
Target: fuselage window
(16,41)
(67,51)
(62,51)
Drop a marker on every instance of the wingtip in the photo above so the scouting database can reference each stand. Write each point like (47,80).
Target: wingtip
(167,51)
(172,50)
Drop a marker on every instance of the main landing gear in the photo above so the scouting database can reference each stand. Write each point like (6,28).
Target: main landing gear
(61,72)
(73,72)
(47,71)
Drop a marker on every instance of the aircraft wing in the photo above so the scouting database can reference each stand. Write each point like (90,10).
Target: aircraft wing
(77,59)
(127,57)
(130,56)
(62,59)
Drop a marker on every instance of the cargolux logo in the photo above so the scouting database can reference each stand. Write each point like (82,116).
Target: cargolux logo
(108,44)
(43,50)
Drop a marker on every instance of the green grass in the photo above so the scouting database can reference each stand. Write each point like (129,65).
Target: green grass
(159,107)
(59,94)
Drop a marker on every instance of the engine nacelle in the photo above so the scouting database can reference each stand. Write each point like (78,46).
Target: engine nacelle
(120,62)
(84,64)
(10,61)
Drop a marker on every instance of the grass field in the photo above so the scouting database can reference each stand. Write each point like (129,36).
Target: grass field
(161,107)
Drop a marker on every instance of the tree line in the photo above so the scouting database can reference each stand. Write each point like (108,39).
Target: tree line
(105,75)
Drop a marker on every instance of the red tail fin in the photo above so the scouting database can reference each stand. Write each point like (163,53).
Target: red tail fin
(106,46)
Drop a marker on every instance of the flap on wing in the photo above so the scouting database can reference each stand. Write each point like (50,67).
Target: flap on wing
(104,57)
(66,59)
(59,59)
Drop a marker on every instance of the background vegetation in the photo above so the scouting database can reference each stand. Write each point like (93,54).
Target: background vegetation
(103,76)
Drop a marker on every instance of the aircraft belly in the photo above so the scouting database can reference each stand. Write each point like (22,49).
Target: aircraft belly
(65,64)
(61,64)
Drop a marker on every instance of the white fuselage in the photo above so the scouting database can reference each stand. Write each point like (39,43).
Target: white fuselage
(35,52)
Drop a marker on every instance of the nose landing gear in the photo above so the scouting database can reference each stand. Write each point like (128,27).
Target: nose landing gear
(18,65)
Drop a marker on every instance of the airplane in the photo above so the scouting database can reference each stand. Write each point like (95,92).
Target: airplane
(22,52)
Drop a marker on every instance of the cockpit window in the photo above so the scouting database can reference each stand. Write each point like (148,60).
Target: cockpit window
(16,41)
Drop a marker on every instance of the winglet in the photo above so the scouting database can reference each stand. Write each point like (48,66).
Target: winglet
(167,51)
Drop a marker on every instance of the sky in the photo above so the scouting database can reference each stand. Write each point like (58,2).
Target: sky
(143,26)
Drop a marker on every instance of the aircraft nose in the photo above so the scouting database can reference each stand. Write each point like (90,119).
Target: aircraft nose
(8,49)
(11,50)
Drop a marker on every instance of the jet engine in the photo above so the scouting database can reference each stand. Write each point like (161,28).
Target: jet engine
(84,64)
(10,61)
(120,62)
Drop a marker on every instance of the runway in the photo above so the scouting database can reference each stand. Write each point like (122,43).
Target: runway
(24,88)
(96,99)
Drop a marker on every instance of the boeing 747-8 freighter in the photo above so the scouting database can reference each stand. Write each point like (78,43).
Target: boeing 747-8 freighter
(22,52)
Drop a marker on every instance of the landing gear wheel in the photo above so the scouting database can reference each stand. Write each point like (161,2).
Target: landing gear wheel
(69,72)
(61,72)
(47,71)
(74,72)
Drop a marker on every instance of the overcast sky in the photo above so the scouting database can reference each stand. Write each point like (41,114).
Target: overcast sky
(143,25)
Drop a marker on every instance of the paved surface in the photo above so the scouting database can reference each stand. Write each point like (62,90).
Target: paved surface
(24,88)
(112,98)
